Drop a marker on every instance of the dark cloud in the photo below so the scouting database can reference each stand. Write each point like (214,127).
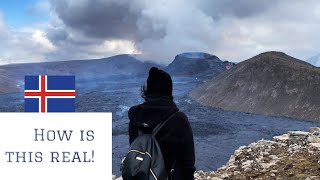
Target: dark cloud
(57,35)
(105,19)
(241,8)
(96,18)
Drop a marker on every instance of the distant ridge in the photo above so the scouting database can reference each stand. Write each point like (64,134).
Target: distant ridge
(12,75)
(271,83)
(194,64)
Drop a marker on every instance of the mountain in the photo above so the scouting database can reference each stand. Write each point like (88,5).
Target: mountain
(315,60)
(12,76)
(270,83)
(197,64)
(7,84)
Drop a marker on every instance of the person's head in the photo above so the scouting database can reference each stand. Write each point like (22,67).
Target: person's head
(159,84)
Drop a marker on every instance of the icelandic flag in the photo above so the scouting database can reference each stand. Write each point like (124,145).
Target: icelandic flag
(49,93)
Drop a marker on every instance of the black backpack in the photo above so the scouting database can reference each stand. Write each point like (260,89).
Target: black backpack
(144,161)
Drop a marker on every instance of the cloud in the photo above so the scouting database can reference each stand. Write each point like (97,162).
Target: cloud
(77,45)
(23,45)
(40,9)
(234,30)
(291,27)
(157,29)
(186,29)
(106,48)
(2,25)
(160,29)
(40,39)
(100,19)
(240,9)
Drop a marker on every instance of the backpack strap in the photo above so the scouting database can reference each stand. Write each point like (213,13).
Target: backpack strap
(159,126)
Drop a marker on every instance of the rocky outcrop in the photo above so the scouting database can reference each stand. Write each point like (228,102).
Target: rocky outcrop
(295,155)
(270,83)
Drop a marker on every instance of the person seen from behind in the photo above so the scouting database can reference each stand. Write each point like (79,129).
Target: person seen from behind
(175,137)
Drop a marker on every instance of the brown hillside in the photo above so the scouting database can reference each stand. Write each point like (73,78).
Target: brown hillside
(270,83)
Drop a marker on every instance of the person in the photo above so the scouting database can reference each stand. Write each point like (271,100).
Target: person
(175,137)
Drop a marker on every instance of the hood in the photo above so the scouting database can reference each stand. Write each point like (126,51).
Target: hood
(152,112)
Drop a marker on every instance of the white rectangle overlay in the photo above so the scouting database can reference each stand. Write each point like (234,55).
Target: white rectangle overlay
(87,154)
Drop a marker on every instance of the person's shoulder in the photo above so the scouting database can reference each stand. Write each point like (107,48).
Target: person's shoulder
(132,110)
(181,120)
(181,114)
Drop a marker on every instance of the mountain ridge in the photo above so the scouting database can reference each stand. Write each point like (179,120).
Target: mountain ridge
(119,65)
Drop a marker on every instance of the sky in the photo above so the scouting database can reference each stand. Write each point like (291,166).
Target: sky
(55,30)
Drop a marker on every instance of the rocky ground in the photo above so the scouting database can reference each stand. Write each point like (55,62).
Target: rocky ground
(295,155)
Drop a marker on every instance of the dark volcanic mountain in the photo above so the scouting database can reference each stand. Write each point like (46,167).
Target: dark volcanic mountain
(12,76)
(197,64)
(271,83)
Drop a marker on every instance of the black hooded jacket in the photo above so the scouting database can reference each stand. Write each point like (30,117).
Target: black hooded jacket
(175,137)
